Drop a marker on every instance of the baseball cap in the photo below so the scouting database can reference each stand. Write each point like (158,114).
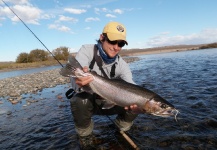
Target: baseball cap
(115,31)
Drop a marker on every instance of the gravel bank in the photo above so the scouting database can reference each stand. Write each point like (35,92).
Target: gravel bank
(13,88)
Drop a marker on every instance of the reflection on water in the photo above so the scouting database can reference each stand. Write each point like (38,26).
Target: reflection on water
(186,79)
(25,71)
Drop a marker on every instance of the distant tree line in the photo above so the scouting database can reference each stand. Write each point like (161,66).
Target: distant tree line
(37,55)
(212,45)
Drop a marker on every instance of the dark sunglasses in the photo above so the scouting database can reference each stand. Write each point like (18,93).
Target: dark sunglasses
(120,43)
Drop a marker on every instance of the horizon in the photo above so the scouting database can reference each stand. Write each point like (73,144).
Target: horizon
(71,24)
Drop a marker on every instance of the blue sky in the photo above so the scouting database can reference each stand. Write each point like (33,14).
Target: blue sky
(72,23)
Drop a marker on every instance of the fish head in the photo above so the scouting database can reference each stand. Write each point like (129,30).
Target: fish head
(159,107)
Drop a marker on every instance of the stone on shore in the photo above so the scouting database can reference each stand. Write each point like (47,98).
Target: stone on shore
(14,87)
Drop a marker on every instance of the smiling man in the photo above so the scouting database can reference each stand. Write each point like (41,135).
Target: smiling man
(102,58)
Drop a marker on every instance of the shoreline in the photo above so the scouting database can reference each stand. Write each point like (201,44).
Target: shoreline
(126,53)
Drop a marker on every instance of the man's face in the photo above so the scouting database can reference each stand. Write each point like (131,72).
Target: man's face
(111,49)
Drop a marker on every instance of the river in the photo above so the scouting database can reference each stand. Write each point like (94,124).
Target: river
(188,80)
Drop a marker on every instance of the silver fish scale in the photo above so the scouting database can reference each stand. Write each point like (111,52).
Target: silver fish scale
(118,92)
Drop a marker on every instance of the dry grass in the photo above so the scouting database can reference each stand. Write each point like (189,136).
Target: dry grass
(7,66)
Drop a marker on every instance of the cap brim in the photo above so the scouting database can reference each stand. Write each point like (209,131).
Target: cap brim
(114,37)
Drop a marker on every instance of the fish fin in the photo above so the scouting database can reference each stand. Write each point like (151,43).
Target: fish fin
(108,105)
(66,71)
(69,68)
(73,62)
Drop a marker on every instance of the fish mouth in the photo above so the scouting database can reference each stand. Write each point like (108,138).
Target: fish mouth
(166,113)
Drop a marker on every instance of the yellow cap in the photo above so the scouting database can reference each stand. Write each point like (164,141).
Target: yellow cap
(115,31)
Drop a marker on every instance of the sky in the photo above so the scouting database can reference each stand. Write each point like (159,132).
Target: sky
(73,23)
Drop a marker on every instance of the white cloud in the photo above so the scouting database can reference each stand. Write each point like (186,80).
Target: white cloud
(64,28)
(105,10)
(92,19)
(110,16)
(31,17)
(17,2)
(75,11)
(47,16)
(203,37)
(65,18)
(118,11)
(101,10)
(59,27)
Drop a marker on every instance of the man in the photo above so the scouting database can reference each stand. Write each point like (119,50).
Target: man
(102,58)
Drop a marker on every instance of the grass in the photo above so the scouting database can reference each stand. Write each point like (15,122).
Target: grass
(16,66)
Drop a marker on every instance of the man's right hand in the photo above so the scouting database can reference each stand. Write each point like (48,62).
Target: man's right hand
(82,81)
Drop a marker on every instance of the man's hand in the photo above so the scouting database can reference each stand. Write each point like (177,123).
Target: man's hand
(81,81)
(133,108)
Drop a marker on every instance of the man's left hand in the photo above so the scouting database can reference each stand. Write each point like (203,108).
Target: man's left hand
(133,107)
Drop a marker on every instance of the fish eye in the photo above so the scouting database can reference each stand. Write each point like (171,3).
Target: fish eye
(163,106)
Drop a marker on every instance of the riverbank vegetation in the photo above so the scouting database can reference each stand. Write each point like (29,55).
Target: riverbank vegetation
(36,58)
(7,66)
(39,58)
(212,45)
(39,55)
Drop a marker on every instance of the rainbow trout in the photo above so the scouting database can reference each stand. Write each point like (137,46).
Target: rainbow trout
(122,93)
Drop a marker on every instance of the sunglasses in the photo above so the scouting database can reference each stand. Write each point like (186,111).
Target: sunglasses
(120,43)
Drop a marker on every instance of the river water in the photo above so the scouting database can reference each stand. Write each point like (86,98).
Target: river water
(188,80)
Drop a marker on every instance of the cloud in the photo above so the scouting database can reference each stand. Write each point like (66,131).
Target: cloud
(75,11)
(31,17)
(110,16)
(16,2)
(108,11)
(69,19)
(118,11)
(47,16)
(59,27)
(203,37)
(101,10)
(92,19)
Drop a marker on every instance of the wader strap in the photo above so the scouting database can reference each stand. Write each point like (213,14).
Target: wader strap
(93,60)
(98,61)
(112,73)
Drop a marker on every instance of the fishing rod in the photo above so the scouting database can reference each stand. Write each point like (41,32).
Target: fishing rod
(33,33)
(121,132)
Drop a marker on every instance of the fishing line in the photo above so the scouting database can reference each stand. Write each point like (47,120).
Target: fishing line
(32,33)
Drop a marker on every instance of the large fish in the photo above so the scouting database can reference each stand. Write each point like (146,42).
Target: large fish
(122,93)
